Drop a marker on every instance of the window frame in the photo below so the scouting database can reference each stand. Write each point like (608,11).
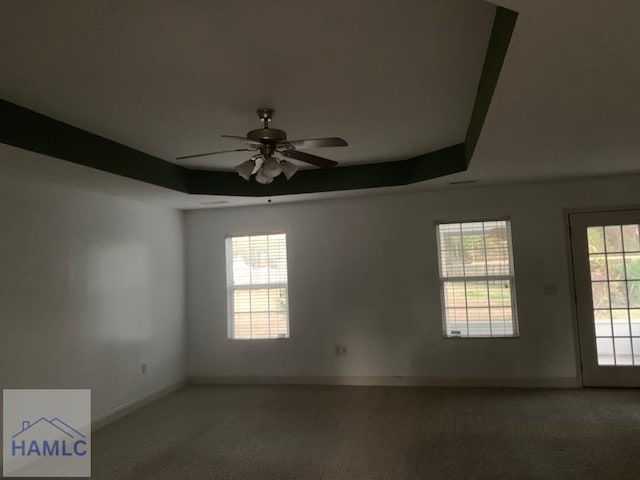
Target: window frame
(231,288)
(465,279)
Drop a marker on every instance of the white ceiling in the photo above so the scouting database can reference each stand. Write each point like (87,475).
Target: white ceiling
(568,100)
(395,78)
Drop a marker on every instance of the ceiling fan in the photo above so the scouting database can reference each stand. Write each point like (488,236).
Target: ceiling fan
(269,142)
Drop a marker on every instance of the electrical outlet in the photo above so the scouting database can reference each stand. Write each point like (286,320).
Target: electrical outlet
(144,369)
(340,350)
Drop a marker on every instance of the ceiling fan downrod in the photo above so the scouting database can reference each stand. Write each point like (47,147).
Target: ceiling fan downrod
(267,135)
(266,115)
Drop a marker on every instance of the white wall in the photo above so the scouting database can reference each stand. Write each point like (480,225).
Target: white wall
(91,287)
(363,272)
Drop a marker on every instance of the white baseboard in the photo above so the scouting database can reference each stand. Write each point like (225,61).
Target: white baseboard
(130,407)
(514,382)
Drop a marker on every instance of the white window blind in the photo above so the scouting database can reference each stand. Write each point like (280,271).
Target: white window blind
(257,286)
(477,279)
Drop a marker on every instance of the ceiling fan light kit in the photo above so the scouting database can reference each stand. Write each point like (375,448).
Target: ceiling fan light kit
(271,141)
(245,169)
(289,169)
(271,167)
(262,178)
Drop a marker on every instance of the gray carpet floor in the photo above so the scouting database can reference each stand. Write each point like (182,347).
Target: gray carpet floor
(324,432)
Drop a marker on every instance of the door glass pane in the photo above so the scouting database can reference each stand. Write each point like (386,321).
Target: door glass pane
(636,351)
(633,288)
(614,260)
(595,237)
(634,318)
(615,266)
(620,321)
(632,266)
(613,238)
(618,292)
(605,351)
(603,323)
(623,351)
(631,238)
(600,294)
(598,267)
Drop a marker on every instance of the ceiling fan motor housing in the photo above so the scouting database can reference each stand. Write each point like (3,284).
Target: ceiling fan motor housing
(270,141)
(267,135)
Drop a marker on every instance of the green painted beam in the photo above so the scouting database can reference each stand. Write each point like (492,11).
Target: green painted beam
(372,175)
(503,25)
(32,131)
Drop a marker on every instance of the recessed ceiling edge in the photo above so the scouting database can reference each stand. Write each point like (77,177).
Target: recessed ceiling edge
(29,130)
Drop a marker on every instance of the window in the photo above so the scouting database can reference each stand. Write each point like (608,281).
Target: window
(257,286)
(477,280)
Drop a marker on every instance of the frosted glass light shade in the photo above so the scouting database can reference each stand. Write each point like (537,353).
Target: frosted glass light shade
(262,178)
(289,169)
(245,169)
(271,167)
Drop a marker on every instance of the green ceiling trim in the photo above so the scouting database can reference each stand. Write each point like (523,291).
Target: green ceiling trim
(32,131)
(29,130)
(372,175)
(503,25)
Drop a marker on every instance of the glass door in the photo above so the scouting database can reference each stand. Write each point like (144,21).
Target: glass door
(605,249)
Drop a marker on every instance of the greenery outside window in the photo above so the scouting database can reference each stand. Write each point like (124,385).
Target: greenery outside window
(257,293)
(477,279)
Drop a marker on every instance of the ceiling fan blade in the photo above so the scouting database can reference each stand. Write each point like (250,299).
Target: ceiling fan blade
(244,139)
(214,153)
(318,143)
(309,158)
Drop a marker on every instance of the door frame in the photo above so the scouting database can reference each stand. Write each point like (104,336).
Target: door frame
(566,213)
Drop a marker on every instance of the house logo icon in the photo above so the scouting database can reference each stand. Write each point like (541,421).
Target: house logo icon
(48,438)
(46,433)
